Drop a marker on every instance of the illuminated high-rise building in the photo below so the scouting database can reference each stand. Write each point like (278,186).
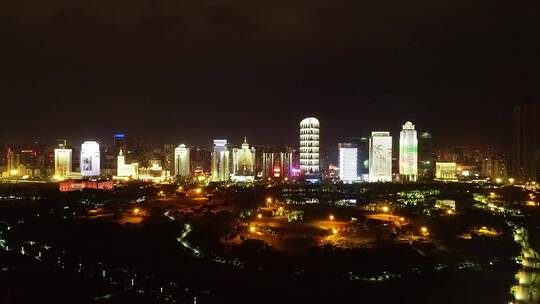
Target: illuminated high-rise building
(309,146)
(13,163)
(524,158)
(220,160)
(90,158)
(62,163)
(181,161)
(380,157)
(244,163)
(408,153)
(348,162)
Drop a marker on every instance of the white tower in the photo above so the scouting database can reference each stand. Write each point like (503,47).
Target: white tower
(408,153)
(220,160)
(348,162)
(309,146)
(90,159)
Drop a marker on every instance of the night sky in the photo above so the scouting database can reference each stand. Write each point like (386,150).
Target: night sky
(190,71)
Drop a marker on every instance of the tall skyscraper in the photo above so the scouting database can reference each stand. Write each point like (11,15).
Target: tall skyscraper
(62,163)
(524,158)
(182,161)
(426,160)
(90,158)
(13,163)
(380,157)
(362,145)
(408,153)
(309,146)
(244,163)
(220,160)
(119,142)
(168,157)
(348,162)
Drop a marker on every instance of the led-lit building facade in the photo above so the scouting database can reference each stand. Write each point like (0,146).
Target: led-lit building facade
(408,153)
(380,157)
(220,160)
(309,146)
(62,163)
(348,162)
(90,157)
(155,173)
(124,170)
(181,161)
(243,163)
(13,163)
(445,171)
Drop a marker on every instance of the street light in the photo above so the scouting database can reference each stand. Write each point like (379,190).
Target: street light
(136,211)
(424,230)
(252,229)
(449,211)
(331,217)
(268,199)
(259,215)
(385,209)
(334,231)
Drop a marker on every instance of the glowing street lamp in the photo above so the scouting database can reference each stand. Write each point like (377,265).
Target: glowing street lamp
(268,199)
(334,231)
(402,219)
(331,217)
(252,229)
(136,211)
(449,212)
(259,215)
(198,190)
(385,209)
(511,180)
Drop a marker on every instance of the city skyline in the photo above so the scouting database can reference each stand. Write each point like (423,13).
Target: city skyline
(108,138)
(135,68)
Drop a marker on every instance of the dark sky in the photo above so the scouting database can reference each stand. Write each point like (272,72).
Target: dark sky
(177,70)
